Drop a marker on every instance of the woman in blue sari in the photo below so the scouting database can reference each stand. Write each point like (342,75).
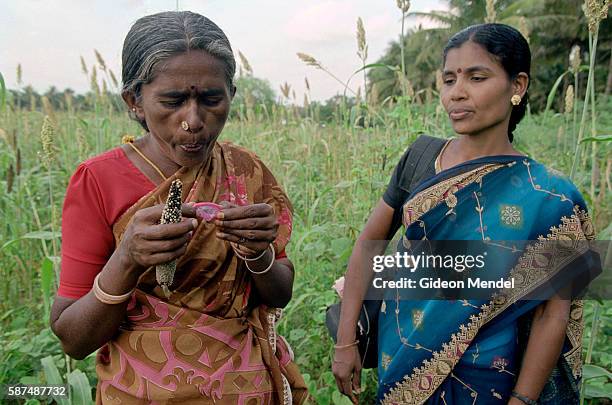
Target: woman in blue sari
(521,345)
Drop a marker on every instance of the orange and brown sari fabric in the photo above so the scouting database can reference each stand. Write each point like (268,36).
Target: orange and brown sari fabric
(209,342)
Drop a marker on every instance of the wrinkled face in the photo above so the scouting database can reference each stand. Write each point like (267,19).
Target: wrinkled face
(476,92)
(187,87)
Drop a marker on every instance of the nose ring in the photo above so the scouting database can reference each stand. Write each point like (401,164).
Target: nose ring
(185,125)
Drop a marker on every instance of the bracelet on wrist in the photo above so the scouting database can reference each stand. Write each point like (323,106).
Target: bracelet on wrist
(250,259)
(271,248)
(523,399)
(355,343)
(106,298)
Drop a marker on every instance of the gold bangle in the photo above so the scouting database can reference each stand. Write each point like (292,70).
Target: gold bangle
(271,246)
(355,343)
(106,298)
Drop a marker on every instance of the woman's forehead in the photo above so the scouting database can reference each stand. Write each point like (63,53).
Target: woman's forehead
(470,54)
(192,69)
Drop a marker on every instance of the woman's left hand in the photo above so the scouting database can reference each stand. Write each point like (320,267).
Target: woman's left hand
(249,228)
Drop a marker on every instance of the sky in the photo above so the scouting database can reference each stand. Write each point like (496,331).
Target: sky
(47,37)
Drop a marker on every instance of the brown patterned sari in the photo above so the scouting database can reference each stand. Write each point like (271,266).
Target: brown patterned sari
(209,342)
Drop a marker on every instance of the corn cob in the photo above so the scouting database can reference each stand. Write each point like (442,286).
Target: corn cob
(164,273)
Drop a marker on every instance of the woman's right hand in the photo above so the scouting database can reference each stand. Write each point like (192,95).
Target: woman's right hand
(147,243)
(346,367)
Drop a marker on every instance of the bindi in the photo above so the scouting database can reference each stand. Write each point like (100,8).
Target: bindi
(459,70)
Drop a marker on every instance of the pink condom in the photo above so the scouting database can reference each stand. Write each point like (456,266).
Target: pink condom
(207,210)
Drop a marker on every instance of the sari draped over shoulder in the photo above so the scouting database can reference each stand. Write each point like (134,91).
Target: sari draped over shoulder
(209,341)
(468,351)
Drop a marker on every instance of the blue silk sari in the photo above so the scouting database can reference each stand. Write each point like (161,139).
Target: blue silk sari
(469,351)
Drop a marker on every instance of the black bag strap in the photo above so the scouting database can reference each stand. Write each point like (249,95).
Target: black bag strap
(419,163)
(423,153)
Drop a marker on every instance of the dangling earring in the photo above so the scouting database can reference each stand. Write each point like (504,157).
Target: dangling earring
(515,100)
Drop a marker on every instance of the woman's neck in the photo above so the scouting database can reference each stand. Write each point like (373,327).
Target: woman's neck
(470,147)
(158,156)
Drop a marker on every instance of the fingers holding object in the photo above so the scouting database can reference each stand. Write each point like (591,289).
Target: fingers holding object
(268,222)
(188,210)
(246,211)
(151,215)
(170,231)
(152,259)
(356,388)
(244,236)
(243,250)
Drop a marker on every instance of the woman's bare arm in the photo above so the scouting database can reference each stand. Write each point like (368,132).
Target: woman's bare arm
(546,339)
(358,276)
(84,325)
(346,366)
(274,287)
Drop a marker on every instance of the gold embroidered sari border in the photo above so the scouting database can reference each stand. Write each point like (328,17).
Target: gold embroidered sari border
(432,196)
(417,387)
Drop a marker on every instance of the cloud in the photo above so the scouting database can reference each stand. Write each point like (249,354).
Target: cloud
(326,21)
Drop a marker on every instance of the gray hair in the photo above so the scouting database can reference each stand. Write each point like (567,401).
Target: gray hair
(157,37)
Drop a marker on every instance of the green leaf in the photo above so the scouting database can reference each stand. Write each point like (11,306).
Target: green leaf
(345,184)
(597,391)
(340,399)
(52,376)
(553,91)
(606,234)
(81,390)
(41,235)
(46,274)
(297,334)
(373,65)
(46,281)
(46,235)
(342,247)
(29,380)
(593,371)
(83,123)
(600,138)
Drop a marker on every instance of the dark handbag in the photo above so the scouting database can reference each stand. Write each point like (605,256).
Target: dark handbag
(423,153)
(367,330)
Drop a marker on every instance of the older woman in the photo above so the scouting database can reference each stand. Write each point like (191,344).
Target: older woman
(209,338)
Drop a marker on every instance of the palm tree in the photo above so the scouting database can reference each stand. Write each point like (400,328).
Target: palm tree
(553,26)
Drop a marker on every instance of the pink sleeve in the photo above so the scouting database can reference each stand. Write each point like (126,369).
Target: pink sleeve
(87,237)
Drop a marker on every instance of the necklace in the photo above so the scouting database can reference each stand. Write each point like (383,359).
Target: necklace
(130,141)
(438,165)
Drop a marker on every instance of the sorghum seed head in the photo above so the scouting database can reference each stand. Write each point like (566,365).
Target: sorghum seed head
(47,136)
(574,59)
(569,99)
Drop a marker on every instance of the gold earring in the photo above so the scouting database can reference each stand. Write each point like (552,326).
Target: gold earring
(185,125)
(516,99)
